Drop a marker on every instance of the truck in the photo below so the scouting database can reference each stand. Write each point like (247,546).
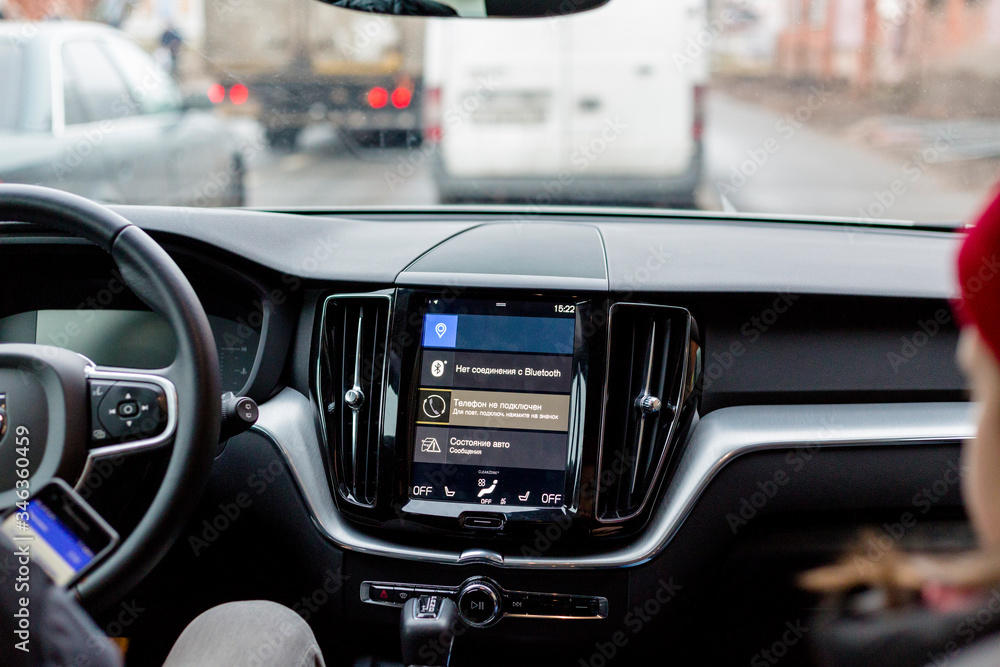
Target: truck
(297,62)
(598,108)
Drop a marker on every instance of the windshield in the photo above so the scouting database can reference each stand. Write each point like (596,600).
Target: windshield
(872,110)
(10,81)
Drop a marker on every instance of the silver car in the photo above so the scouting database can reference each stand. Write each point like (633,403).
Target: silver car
(83,108)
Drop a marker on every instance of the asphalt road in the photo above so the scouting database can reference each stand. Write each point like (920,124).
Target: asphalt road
(756,161)
(763,162)
(324,171)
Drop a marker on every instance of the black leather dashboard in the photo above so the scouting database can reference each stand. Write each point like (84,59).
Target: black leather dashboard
(819,339)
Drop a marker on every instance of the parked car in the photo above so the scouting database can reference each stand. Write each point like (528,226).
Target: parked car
(85,109)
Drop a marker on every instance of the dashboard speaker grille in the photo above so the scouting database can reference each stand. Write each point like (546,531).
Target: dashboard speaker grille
(352,380)
(651,373)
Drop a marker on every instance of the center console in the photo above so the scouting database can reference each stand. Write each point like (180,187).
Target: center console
(488,418)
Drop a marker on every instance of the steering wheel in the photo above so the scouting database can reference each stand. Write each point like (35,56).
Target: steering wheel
(75,413)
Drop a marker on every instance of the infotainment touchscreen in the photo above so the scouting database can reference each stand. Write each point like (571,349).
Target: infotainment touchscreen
(493,406)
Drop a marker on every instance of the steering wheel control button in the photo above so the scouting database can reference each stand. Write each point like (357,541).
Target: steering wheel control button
(128,411)
(239,413)
(479,603)
(98,431)
(246,409)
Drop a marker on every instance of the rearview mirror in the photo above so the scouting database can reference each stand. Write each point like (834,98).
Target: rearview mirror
(470,8)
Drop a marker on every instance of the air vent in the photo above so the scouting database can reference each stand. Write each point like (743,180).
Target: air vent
(352,379)
(651,372)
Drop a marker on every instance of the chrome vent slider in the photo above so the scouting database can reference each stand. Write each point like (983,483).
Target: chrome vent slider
(648,405)
(354,398)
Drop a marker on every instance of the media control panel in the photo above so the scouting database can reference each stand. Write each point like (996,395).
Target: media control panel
(482,602)
(124,410)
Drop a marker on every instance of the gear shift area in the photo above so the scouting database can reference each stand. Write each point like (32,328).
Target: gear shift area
(427,629)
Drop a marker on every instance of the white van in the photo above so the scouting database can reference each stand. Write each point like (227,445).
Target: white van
(601,107)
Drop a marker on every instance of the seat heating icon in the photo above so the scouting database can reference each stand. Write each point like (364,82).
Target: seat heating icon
(489,489)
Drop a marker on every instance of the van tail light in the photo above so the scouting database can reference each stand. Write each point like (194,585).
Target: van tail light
(698,123)
(433,130)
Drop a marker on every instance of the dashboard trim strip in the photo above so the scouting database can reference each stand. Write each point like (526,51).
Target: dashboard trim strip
(505,281)
(290,422)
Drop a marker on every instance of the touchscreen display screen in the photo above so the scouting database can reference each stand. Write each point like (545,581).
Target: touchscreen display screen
(493,406)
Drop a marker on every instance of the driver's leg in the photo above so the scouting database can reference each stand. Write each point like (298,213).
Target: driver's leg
(256,632)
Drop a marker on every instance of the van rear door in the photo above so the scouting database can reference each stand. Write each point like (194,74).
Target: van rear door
(502,97)
(633,97)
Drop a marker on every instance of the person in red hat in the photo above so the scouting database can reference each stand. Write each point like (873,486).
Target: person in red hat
(978,310)
(921,609)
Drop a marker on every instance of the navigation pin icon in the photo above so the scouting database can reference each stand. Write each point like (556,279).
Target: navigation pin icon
(440,328)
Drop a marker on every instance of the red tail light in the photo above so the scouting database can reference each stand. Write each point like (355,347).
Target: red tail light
(401,98)
(698,124)
(378,97)
(238,94)
(216,93)
(432,115)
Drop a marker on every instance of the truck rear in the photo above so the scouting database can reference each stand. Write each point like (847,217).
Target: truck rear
(303,61)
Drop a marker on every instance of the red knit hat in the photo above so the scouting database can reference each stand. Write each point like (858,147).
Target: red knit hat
(979,276)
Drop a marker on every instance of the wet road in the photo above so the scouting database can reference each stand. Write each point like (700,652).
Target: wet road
(755,159)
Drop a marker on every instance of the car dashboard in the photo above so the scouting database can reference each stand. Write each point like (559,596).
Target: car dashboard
(578,425)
